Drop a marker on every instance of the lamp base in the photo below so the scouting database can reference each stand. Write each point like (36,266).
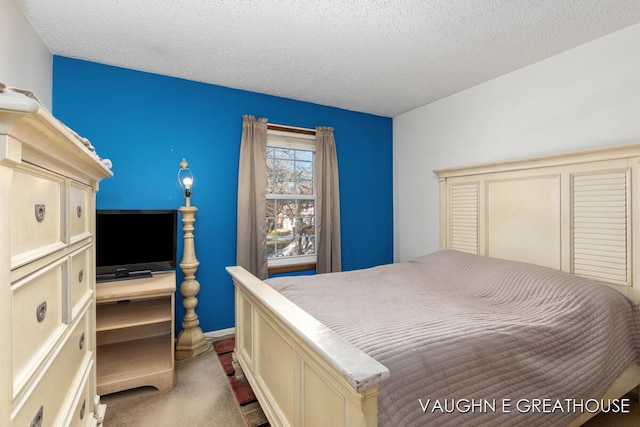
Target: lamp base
(190,343)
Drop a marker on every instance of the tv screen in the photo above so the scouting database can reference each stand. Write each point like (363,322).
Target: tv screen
(131,243)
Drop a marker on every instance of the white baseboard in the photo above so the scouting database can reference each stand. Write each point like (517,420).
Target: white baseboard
(220,334)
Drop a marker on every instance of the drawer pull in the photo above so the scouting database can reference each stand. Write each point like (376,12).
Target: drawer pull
(40,211)
(84,403)
(37,420)
(80,275)
(81,341)
(41,311)
(79,211)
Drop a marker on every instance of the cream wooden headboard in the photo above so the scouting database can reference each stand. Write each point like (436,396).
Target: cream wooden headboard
(577,212)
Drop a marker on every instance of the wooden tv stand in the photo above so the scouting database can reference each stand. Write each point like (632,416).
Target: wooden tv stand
(135,333)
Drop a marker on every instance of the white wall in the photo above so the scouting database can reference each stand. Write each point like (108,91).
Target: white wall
(25,62)
(584,98)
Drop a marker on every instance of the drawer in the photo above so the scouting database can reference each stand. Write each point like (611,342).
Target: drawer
(79,211)
(36,214)
(82,414)
(53,395)
(39,321)
(80,276)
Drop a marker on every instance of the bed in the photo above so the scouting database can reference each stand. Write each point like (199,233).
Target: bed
(556,229)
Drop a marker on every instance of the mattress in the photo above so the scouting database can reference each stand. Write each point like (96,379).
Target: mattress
(474,340)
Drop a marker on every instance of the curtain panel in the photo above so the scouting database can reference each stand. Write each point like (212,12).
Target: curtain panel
(251,252)
(329,256)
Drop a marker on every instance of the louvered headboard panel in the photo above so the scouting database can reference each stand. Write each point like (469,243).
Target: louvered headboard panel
(463,229)
(576,212)
(601,239)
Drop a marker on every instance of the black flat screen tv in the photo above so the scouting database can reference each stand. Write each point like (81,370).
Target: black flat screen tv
(134,243)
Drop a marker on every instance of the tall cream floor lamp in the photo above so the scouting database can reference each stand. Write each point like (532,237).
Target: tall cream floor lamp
(191,340)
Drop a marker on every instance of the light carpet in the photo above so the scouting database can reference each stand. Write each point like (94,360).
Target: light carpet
(201,397)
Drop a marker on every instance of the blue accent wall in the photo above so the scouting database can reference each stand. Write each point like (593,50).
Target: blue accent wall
(146,123)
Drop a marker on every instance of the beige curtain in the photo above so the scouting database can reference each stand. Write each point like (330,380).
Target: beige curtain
(328,203)
(251,252)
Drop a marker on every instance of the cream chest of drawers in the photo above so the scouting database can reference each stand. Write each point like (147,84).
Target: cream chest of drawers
(48,180)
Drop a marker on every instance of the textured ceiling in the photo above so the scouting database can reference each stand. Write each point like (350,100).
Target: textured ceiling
(375,56)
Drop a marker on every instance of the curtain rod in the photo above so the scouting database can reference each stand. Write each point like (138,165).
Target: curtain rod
(304,131)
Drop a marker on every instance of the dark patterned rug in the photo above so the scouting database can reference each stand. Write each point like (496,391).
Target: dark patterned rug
(241,389)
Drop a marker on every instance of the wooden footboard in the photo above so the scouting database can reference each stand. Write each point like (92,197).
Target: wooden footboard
(301,372)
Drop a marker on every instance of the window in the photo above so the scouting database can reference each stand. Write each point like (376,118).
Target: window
(291,199)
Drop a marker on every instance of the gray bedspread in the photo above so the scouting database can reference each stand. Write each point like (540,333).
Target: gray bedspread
(480,331)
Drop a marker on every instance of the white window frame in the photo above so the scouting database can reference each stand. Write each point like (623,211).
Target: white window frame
(295,141)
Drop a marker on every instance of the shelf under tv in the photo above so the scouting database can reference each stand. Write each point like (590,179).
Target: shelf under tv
(135,333)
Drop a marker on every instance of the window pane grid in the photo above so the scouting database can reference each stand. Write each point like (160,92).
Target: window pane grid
(290,216)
